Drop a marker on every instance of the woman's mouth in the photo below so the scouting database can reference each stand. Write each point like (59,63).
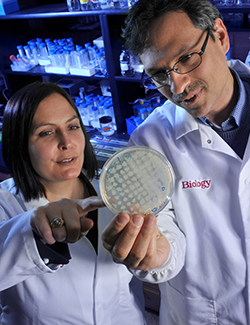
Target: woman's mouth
(67,161)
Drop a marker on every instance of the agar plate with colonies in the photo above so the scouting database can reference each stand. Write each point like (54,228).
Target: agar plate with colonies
(137,180)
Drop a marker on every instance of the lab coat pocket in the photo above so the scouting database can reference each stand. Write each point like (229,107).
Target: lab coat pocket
(185,310)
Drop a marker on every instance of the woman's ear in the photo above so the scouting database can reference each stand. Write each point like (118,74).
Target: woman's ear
(221,35)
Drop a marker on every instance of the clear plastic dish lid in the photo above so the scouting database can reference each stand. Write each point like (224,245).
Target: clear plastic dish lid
(137,180)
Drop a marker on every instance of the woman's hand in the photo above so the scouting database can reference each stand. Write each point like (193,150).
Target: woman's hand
(73,214)
(136,242)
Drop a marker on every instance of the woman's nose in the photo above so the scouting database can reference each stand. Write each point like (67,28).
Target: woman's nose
(64,141)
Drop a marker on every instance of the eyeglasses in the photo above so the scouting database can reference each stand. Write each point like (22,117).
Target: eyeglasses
(186,64)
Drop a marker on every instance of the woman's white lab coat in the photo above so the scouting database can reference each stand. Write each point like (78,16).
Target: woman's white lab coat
(207,276)
(90,290)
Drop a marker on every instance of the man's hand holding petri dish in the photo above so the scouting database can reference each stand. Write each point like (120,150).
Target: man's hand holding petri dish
(136,184)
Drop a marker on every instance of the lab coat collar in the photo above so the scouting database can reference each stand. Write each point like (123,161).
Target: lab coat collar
(184,123)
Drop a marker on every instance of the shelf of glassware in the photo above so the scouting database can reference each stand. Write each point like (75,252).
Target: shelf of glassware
(57,11)
(234,8)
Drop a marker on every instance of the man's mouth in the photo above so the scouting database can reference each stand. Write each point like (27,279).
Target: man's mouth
(190,99)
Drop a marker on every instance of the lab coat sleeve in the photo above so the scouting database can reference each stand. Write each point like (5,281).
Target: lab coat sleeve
(19,256)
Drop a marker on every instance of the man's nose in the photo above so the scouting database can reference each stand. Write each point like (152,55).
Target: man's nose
(178,82)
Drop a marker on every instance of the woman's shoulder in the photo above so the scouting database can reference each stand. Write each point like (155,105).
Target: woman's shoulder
(8,185)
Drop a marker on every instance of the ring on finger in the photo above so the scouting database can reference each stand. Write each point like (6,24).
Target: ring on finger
(57,223)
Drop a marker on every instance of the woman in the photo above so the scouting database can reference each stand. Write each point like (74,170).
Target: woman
(54,269)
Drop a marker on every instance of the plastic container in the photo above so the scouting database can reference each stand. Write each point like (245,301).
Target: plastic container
(125,64)
(20,50)
(43,51)
(84,5)
(137,180)
(95,4)
(106,125)
(73,5)
(105,4)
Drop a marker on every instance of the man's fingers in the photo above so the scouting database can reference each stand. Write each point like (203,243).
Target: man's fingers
(133,243)
(143,249)
(113,230)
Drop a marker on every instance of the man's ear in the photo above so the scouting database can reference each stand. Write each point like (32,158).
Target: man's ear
(221,35)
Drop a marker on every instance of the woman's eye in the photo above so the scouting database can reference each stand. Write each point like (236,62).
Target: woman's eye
(74,127)
(45,133)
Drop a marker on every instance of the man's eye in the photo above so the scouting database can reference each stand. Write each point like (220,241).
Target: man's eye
(160,76)
(185,58)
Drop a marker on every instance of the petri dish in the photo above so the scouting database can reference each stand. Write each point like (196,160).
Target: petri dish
(137,180)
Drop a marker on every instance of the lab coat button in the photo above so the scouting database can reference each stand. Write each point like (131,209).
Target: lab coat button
(247,181)
(209,141)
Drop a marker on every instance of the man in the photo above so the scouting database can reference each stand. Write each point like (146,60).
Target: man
(203,130)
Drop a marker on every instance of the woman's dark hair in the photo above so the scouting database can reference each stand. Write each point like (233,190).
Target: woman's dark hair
(140,17)
(17,119)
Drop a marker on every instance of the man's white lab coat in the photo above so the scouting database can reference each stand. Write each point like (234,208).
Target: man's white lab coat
(207,276)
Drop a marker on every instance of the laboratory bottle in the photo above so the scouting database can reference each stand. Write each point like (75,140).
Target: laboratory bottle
(102,64)
(116,4)
(84,112)
(84,5)
(149,110)
(101,108)
(34,52)
(38,42)
(77,58)
(131,3)
(94,120)
(73,5)
(60,58)
(108,110)
(22,61)
(124,3)
(125,64)
(70,41)
(92,57)
(21,55)
(94,4)
(32,41)
(106,125)
(85,58)
(89,104)
(67,58)
(52,57)
(14,60)
(43,51)
(28,52)
(82,93)
(20,50)
(106,4)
